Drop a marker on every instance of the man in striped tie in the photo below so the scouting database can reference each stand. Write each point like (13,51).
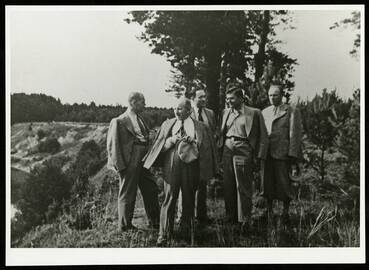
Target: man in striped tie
(180,173)
(127,144)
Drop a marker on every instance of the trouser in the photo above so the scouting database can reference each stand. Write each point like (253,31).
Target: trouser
(276,183)
(201,211)
(200,202)
(136,176)
(184,177)
(238,177)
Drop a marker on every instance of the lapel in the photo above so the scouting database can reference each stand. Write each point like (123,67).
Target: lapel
(197,132)
(169,127)
(225,118)
(249,116)
(268,118)
(145,124)
(128,123)
(193,114)
(282,111)
(210,119)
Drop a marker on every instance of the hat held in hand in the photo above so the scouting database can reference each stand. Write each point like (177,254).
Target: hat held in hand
(188,152)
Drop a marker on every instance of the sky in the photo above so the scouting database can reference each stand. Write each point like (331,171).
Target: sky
(89,55)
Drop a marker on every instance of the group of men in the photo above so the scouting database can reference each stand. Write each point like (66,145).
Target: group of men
(187,147)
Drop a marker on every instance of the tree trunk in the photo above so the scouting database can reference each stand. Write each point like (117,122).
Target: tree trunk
(212,76)
(322,165)
(223,83)
(260,56)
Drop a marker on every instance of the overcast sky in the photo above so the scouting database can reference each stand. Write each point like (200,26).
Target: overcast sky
(83,56)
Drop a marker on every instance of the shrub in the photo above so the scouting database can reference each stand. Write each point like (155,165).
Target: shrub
(319,122)
(88,160)
(41,134)
(42,196)
(87,163)
(50,145)
(349,141)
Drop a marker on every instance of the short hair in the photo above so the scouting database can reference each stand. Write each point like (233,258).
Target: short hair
(236,89)
(195,90)
(134,97)
(277,84)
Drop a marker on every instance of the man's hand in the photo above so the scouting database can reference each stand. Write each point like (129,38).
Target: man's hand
(188,139)
(174,139)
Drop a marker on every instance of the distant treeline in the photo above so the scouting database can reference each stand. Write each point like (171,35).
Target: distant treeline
(43,108)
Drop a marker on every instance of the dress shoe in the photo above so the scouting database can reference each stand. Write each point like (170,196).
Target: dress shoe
(245,227)
(153,226)
(129,228)
(204,221)
(161,242)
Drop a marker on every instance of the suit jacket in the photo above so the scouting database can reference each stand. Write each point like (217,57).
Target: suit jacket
(252,121)
(285,132)
(211,118)
(207,159)
(119,142)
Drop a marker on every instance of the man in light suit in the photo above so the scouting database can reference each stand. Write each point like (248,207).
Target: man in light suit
(127,143)
(180,173)
(244,137)
(284,127)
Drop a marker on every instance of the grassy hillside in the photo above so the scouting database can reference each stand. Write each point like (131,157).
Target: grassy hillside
(312,225)
(321,216)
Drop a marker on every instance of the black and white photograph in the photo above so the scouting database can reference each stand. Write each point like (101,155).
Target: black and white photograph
(185,134)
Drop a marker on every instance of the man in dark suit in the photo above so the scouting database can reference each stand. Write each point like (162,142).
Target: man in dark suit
(200,112)
(207,116)
(182,170)
(127,143)
(244,137)
(284,128)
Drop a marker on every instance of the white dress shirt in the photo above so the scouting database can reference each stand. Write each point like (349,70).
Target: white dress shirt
(232,116)
(269,120)
(189,127)
(203,114)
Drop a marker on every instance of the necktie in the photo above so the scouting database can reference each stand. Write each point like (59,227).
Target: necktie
(142,126)
(200,115)
(275,109)
(182,130)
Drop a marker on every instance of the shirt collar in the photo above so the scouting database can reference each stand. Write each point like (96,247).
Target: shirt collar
(132,113)
(238,111)
(185,120)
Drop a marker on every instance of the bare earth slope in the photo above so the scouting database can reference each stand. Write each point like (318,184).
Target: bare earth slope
(71,136)
(24,140)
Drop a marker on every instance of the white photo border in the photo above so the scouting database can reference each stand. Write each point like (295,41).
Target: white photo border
(116,256)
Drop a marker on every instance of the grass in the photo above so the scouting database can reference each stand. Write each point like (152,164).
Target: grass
(308,228)
(316,220)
